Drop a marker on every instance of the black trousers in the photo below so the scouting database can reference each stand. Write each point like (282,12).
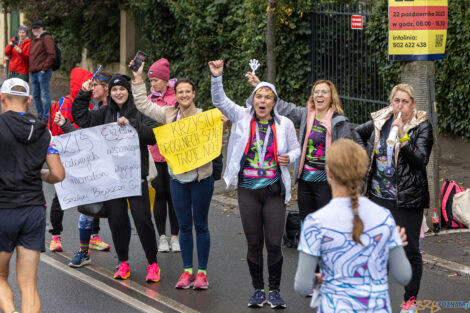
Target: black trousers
(312,196)
(118,219)
(411,219)
(57,216)
(263,215)
(161,183)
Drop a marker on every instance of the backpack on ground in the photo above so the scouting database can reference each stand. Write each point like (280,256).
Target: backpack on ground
(292,233)
(448,190)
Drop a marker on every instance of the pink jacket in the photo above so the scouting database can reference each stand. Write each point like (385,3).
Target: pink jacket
(165,99)
(326,122)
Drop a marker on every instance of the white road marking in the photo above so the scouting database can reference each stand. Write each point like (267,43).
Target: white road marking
(121,296)
(132,285)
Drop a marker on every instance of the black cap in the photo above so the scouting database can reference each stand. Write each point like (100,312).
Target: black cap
(36,25)
(120,80)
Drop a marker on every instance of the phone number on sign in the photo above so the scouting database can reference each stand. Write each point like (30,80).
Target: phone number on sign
(409,44)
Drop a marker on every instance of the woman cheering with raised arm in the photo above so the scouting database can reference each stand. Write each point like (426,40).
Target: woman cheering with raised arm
(261,145)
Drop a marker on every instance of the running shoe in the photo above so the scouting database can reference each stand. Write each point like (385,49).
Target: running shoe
(163,244)
(56,244)
(257,300)
(81,258)
(96,243)
(409,306)
(275,300)
(201,282)
(123,272)
(185,281)
(175,244)
(153,273)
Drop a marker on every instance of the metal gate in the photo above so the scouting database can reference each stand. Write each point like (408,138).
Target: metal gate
(344,56)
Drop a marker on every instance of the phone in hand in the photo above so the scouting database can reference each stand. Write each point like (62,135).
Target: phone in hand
(138,59)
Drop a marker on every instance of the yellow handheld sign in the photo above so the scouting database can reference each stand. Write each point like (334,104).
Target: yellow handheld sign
(192,141)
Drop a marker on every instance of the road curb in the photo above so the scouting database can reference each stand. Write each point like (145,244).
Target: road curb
(446,264)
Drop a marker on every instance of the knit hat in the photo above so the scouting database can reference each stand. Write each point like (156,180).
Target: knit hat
(120,80)
(160,69)
(23,28)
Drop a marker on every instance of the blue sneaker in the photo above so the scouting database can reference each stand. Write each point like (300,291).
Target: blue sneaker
(81,258)
(258,299)
(275,300)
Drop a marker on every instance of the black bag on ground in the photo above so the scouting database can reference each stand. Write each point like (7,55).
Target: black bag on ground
(93,209)
(292,233)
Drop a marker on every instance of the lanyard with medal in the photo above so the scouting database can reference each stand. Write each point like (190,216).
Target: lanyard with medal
(262,152)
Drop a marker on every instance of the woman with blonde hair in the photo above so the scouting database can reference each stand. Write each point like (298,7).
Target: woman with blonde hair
(352,239)
(396,177)
(321,123)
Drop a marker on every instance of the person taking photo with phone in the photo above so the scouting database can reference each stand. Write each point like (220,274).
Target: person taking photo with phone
(17,52)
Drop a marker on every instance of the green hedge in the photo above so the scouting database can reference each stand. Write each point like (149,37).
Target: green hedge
(191,33)
(452,73)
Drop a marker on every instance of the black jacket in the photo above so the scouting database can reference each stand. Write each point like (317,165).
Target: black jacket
(83,117)
(412,182)
(24,141)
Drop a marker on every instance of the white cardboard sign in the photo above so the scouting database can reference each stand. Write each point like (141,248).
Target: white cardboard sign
(101,163)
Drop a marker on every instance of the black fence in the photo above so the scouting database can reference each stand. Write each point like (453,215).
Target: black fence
(344,56)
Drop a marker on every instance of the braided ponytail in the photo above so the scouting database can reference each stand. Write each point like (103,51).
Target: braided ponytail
(347,161)
(358,225)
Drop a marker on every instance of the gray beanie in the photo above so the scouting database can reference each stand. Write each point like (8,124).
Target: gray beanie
(23,27)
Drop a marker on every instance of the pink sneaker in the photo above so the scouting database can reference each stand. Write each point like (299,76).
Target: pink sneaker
(153,273)
(123,272)
(201,281)
(185,281)
(56,244)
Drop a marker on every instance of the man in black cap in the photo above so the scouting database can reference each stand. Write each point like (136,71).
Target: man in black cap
(41,59)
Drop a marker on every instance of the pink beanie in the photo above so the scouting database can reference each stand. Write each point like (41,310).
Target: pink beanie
(160,69)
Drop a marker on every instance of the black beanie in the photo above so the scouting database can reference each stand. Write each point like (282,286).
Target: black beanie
(120,80)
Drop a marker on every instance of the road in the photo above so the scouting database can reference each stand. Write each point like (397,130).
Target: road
(92,289)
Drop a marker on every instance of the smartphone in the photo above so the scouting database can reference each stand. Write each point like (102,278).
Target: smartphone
(139,58)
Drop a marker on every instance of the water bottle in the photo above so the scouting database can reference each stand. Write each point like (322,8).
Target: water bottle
(435,221)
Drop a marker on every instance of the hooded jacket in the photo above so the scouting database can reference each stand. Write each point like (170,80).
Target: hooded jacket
(337,126)
(410,159)
(19,62)
(77,77)
(84,117)
(42,53)
(241,118)
(24,141)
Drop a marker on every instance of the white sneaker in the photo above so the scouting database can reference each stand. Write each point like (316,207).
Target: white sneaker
(175,244)
(163,244)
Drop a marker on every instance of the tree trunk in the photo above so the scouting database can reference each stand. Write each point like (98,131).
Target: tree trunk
(271,41)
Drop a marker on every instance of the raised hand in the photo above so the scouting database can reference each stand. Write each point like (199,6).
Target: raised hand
(254,64)
(86,86)
(253,80)
(138,74)
(216,67)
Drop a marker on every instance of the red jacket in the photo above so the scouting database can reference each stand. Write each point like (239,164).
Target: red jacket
(19,62)
(77,77)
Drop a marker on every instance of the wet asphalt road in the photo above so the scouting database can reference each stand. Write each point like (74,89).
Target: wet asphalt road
(91,289)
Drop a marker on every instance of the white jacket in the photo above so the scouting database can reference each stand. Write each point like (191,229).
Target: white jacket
(241,117)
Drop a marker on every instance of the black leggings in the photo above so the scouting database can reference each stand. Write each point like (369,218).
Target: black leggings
(118,219)
(263,214)
(312,196)
(163,197)
(57,216)
(411,219)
